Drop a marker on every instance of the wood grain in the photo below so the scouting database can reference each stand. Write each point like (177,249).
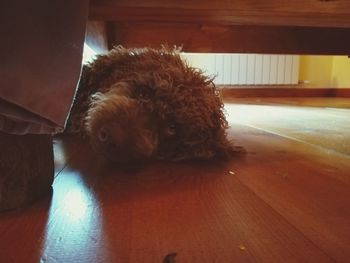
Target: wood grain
(312,195)
(282,91)
(326,128)
(285,200)
(319,102)
(272,26)
(199,37)
(276,27)
(239,12)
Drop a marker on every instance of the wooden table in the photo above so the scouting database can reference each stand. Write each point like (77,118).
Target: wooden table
(247,26)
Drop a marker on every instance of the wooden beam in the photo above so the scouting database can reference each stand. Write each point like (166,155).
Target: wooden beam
(280,91)
(315,13)
(235,39)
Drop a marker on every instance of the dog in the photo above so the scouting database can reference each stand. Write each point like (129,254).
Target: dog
(139,104)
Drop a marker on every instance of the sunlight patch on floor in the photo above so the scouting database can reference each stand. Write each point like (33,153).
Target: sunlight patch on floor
(74,220)
(325,127)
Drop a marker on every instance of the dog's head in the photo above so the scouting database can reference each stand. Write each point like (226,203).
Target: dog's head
(150,104)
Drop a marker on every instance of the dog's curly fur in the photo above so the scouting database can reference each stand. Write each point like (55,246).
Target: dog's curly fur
(144,103)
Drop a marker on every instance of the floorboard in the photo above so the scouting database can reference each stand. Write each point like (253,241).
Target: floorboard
(311,191)
(286,199)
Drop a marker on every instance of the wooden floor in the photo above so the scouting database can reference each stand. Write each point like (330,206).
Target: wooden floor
(287,199)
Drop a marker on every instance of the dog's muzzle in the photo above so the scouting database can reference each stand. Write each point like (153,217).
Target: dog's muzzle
(120,129)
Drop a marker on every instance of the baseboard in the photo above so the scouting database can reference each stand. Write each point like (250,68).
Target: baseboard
(242,91)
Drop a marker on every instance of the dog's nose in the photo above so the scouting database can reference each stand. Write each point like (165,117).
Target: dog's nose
(146,143)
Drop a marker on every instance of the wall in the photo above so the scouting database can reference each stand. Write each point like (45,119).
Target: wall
(325,71)
(341,72)
(316,71)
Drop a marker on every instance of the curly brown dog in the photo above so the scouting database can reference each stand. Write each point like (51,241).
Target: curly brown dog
(137,104)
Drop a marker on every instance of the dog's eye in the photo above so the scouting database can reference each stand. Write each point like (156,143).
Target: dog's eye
(143,92)
(170,130)
(102,135)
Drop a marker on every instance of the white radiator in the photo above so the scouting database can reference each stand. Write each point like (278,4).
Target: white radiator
(247,69)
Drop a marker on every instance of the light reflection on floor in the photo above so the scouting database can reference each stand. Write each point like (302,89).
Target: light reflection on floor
(74,221)
(75,226)
(325,127)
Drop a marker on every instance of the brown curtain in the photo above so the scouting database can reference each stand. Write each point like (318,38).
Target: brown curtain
(41,50)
